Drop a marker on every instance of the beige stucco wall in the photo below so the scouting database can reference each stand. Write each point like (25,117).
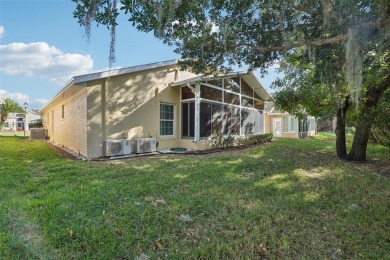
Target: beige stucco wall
(120,107)
(267,123)
(95,118)
(169,95)
(69,131)
(128,107)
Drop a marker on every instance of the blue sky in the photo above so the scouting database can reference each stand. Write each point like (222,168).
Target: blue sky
(42,47)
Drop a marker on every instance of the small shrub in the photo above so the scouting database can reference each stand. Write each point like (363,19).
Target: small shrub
(36,124)
(223,141)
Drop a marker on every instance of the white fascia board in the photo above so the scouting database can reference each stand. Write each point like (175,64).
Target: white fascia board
(67,85)
(202,78)
(263,92)
(186,81)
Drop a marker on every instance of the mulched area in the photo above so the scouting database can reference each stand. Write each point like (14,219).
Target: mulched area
(62,152)
(211,151)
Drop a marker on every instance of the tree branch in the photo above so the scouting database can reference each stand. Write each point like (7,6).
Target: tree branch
(336,39)
(299,8)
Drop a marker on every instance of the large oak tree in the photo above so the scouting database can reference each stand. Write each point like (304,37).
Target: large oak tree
(213,35)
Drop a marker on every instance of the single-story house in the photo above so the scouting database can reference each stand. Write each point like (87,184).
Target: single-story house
(176,108)
(15,121)
(283,124)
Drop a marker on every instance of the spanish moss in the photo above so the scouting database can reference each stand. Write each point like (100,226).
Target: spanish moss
(111,58)
(93,8)
(354,65)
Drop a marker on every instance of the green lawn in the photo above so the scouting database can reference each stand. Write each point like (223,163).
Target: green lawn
(286,199)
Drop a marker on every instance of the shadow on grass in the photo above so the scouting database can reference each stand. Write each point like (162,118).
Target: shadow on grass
(287,199)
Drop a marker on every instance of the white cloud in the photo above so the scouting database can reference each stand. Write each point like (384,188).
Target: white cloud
(1,31)
(38,59)
(21,98)
(40,101)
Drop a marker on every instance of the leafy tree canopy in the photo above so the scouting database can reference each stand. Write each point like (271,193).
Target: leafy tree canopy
(218,34)
(9,106)
(334,43)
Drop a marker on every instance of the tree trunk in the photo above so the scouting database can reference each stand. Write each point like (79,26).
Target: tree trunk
(341,147)
(360,140)
(4,117)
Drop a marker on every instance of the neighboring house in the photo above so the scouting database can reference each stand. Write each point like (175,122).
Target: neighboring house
(283,124)
(15,121)
(177,108)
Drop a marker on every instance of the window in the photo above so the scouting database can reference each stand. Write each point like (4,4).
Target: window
(255,95)
(231,120)
(258,122)
(288,124)
(246,102)
(224,107)
(166,119)
(312,124)
(210,119)
(259,105)
(247,122)
(232,98)
(210,93)
(217,83)
(232,84)
(246,89)
(188,119)
(216,118)
(63,111)
(205,119)
(303,125)
(186,93)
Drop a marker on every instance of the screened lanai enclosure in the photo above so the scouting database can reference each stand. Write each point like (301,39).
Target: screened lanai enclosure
(230,105)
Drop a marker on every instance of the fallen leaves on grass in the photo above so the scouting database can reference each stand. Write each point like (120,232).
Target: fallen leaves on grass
(159,245)
(70,232)
(155,201)
(185,218)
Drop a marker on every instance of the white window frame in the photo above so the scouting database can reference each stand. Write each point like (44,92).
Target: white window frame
(289,130)
(167,120)
(198,100)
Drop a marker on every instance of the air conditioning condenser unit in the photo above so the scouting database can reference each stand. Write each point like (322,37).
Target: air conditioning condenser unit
(145,145)
(116,147)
